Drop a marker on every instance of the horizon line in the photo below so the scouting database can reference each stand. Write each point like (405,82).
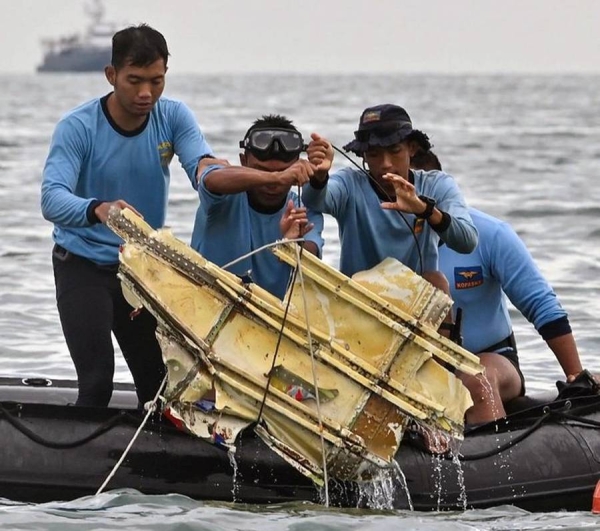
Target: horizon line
(270,72)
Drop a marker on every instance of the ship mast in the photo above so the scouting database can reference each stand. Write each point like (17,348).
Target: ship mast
(96,11)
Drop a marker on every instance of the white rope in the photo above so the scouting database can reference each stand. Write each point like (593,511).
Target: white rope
(314,375)
(151,408)
(267,246)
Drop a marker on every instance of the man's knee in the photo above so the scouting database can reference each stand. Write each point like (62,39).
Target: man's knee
(482,386)
(499,377)
(506,377)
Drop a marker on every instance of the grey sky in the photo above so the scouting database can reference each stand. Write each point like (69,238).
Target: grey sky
(317,36)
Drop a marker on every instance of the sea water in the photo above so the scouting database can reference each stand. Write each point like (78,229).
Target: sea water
(523,148)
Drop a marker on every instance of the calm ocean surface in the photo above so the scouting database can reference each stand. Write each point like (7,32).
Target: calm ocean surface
(523,148)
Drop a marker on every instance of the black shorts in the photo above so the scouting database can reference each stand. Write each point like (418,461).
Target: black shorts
(508,348)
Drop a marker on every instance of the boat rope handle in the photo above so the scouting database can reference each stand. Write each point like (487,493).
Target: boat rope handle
(509,444)
(107,426)
(151,407)
(548,412)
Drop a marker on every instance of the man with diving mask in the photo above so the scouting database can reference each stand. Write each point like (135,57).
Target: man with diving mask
(242,208)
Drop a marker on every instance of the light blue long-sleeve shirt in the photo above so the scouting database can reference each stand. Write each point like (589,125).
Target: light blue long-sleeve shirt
(227,227)
(369,234)
(501,264)
(91,159)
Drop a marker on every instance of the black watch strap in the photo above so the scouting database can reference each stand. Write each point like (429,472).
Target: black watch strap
(430,205)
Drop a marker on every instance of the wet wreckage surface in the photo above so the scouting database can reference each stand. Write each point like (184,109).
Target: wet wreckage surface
(366,348)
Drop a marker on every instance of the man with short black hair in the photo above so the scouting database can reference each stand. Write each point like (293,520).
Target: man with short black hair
(242,208)
(114,151)
(500,265)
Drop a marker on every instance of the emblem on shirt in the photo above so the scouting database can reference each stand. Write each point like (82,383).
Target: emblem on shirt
(165,150)
(468,277)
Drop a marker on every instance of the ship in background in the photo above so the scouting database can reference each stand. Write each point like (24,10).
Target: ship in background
(89,52)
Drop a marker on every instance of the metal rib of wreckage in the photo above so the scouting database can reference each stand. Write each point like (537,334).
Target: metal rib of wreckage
(373,340)
(417,319)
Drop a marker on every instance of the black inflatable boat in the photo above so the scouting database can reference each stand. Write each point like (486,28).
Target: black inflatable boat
(543,457)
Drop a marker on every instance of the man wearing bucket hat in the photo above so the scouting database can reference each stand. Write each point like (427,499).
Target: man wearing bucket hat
(387,209)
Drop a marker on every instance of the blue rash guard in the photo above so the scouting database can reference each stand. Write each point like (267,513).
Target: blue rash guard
(91,159)
(500,264)
(369,234)
(227,227)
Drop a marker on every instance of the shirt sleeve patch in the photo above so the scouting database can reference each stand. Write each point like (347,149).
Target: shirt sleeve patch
(166,152)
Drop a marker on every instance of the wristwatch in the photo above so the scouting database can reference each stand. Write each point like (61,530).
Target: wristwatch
(430,204)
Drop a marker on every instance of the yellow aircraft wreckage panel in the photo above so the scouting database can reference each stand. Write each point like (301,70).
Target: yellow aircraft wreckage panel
(254,347)
(368,352)
(397,284)
(392,313)
(196,310)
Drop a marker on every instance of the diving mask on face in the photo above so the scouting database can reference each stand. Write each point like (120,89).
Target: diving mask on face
(273,143)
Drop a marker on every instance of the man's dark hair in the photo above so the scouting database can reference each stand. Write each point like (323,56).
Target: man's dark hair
(138,46)
(272,120)
(425,160)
